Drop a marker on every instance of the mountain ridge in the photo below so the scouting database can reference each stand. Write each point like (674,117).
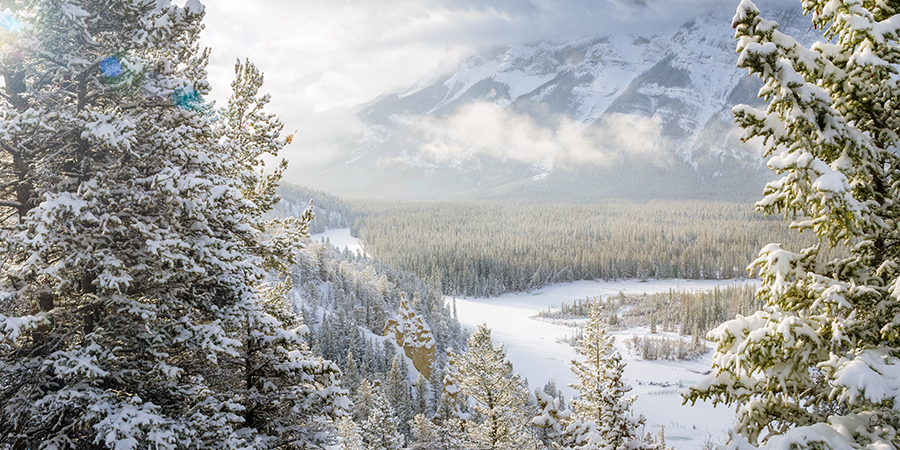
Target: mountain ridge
(650,115)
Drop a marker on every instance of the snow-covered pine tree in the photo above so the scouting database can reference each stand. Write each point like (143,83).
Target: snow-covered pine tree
(286,391)
(449,435)
(352,376)
(425,434)
(381,430)
(451,403)
(818,366)
(349,435)
(602,414)
(364,401)
(485,375)
(135,254)
(397,393)
(553,417)
(289,396)
(420,406)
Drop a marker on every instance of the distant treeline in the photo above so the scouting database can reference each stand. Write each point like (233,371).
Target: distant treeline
(331,212)
(485,249)
(689,313)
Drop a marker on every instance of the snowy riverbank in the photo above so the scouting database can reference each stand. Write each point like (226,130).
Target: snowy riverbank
(533,349)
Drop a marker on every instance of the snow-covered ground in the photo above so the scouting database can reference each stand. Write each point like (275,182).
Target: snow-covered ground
(340,238)
(533,349)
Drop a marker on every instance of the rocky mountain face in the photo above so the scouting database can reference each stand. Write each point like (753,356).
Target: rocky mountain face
(624,116)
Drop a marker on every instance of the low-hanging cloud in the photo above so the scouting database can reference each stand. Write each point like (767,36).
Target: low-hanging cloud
(323,59)
(487,129)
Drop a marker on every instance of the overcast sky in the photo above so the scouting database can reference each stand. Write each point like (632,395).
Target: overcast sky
(322,58)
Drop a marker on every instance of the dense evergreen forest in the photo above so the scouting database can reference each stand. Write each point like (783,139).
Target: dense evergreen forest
(330,212)
(679,310)
(484,249)
(346,299)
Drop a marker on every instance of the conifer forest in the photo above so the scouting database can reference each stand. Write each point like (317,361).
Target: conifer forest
(165,285)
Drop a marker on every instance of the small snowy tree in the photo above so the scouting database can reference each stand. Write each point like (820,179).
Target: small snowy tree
(349,435)
(449,435)
(485,375)
(818,366)
(553,417)
(397,393)
(381,430)
(602,414)
(422,395)
(450,403)
(364,401)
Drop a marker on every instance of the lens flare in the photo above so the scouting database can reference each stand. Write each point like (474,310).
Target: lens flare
(111,67)
(10,23)
(186,98)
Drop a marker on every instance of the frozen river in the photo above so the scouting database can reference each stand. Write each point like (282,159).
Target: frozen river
(533,349)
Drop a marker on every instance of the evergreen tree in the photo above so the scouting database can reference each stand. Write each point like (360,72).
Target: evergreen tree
(553,417)
(381,430)
(287,392)
(364,401)
(349,435)
(422,395)
(603,417)
(486,376)
(817,367)
(425,434)
(135,311)
(448,435)
(352,374)
(451,402)
(397,394)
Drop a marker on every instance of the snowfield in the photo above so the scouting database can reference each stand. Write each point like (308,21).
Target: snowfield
(532,347)
(340,238)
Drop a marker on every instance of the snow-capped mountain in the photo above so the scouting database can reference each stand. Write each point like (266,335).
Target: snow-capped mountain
(634,116)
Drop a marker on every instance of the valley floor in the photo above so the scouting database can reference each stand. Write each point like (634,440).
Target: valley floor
(534,348)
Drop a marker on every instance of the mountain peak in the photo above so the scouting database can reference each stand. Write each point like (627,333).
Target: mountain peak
(648,113)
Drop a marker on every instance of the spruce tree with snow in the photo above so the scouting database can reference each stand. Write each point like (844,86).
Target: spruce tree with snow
(448,435)
(485,376)
(553,417)
(425,434)
(352,376)
(136,308)
(602,416)
(420,405)
(364,401)
(381,429)
(287,392)
(397,393)
(818,366)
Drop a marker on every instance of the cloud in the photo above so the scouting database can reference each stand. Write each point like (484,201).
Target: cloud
(323,59)
(486,129)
